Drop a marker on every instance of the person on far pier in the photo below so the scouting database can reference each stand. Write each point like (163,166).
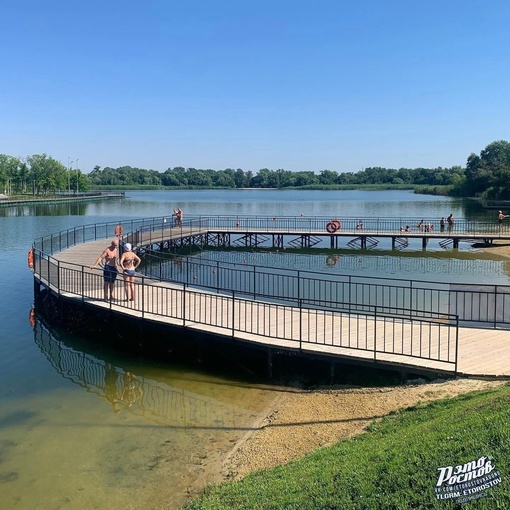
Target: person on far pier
(450,221)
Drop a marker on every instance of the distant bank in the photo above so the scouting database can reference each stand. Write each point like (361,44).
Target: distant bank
(58,199)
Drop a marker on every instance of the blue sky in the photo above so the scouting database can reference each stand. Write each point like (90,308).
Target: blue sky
(298,85)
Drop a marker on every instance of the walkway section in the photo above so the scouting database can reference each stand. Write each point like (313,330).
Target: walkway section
(370,336)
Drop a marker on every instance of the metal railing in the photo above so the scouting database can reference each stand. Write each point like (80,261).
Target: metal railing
(476,305)
(355,225)
(479,305)
(154,229)
(379,333)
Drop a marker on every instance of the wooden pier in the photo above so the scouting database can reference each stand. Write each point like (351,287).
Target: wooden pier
(386,340)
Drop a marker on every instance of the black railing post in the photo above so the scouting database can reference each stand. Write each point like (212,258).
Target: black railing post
(495,307)
(300,305)
(456,344)
(82,284)
(143,297)
(410,298)
(233,312)
(375,332)
(183,301)
(58,275)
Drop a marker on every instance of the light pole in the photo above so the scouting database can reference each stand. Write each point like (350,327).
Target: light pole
(69,163)
(77,176)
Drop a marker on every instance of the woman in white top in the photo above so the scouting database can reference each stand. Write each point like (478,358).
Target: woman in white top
(129,262)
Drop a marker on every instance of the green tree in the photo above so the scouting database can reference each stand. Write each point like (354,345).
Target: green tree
(488,175)
(48,174)
(328,177)
(240,179)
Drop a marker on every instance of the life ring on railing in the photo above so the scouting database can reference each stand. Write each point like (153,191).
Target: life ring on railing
(332,227)
(118,230)
(31,317)
(332,260)
(30,258)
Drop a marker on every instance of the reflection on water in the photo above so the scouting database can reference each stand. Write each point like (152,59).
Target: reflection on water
(63,209)
(458,267)
(118,434)
(153,399)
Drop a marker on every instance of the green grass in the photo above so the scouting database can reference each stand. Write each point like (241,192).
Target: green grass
(394,465)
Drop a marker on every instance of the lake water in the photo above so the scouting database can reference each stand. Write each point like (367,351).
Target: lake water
(85,426)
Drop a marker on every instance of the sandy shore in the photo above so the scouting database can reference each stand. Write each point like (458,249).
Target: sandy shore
(301,421)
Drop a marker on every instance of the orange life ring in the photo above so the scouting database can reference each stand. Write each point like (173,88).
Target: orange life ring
(332,227)
(31,317)
(118,230)
(30,258)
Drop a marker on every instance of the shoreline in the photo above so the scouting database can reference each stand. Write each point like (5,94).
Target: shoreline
(57,199)
(296,424)
(300,423)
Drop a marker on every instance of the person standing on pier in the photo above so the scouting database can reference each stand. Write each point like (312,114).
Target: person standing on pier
(110,267)
(129,262)
(450,222)
(442,223)
(501,217)
(179,217)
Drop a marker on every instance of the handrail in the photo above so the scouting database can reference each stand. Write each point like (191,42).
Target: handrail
(271,319)
(461,227)
(486,305)
(74,279)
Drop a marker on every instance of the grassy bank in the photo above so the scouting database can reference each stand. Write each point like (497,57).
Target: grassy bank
(395,465)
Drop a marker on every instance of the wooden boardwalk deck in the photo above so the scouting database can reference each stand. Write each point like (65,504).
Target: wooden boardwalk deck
(481,352)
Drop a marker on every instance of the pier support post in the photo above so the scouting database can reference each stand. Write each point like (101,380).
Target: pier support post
(270,363)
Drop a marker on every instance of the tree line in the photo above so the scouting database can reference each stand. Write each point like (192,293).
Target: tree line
(486,175)
(266,178)
(39,174)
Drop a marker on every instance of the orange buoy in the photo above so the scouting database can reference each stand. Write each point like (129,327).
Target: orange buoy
(332,227)
(30,258)
(118,230)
